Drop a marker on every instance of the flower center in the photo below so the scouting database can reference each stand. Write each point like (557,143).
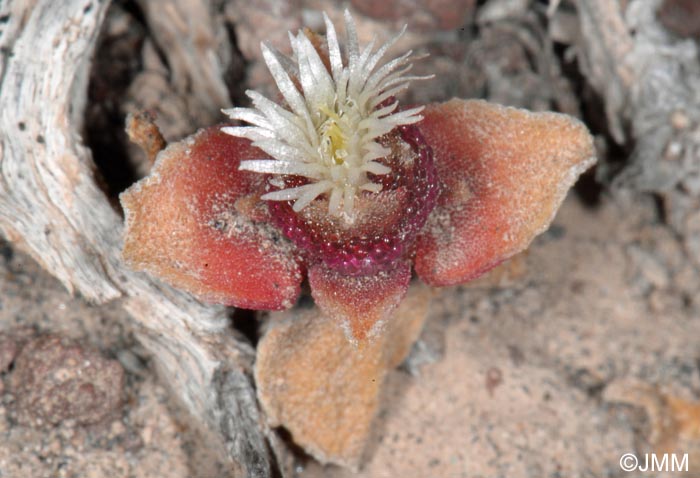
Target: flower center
(333,141)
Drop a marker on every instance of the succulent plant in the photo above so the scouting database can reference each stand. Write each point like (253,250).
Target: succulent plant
(337,183)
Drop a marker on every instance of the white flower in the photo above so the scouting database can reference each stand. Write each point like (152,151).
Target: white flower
(328,130)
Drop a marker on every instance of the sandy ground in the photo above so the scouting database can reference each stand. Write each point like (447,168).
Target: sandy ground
(556,373)
(147,436)
(521,387)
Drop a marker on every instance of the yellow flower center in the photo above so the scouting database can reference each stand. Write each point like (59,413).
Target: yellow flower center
(332,137)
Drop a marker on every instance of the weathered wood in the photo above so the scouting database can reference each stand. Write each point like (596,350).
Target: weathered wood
(195,45)
(649,82)
(605,44)
(51,206)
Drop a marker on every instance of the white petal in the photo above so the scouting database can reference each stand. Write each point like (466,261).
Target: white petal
(385,110)
(285,84)
(393,81)
(283,122)
(378,75)
(273,166)
(378,129)
(253,133)
(371,187)
(353,48)
(386,95)
(406,115)
(282,195)
(287,63)
(358,73)
(376,168)
(313,191)
(249,116)
(334,201)
(295,48)
(384,48)
(315,81)
(341,86)
(374,151)
(282,151)
(349,202)
(333,48)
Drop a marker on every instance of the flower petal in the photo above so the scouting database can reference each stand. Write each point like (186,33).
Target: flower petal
(360,303)
(187,224)
(504,173)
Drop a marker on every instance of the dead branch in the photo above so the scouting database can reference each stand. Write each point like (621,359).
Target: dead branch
(51,206)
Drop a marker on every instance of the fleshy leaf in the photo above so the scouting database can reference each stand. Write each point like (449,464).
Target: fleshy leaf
(324,390)
(190,222)
(360,303)
(504,174)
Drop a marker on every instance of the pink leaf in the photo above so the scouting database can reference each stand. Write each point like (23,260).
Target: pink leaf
(360,303)
(191,223)
(504,173)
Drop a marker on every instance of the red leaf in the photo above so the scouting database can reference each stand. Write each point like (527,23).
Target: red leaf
(191,223)
(504,173)
(361,303)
